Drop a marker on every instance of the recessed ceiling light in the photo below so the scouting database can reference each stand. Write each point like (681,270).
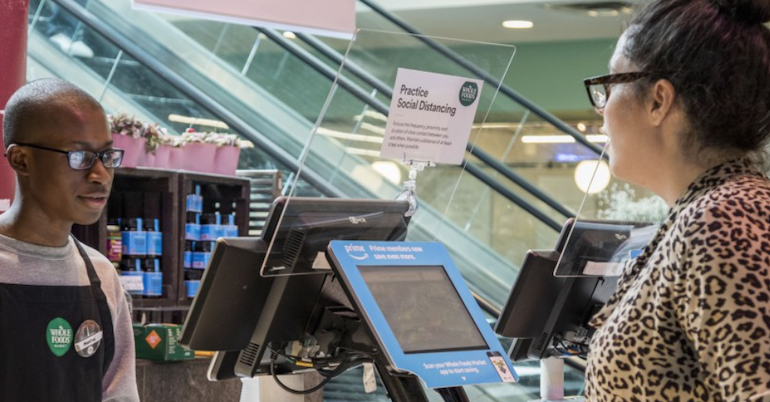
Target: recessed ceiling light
(595,9)
(289,35)
(518,24)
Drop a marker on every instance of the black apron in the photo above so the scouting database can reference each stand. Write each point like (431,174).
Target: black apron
(36,323)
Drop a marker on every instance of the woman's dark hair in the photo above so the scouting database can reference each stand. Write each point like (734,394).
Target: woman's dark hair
(716,53)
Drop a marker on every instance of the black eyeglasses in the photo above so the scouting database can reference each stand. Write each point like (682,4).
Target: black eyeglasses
(82,160)
(599,87)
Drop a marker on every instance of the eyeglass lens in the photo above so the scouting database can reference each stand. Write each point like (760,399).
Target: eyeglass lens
(81,160)
(599,95)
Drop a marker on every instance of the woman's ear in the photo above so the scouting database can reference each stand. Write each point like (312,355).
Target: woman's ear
(661,101)
(18,159)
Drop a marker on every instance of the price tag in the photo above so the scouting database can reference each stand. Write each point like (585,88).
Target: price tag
(132,283)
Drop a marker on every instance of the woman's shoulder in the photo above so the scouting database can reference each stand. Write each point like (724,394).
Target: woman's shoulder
(730,221)
(743,199)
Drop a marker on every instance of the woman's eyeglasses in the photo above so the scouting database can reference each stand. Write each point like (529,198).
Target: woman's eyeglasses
(599,87)
(82,160)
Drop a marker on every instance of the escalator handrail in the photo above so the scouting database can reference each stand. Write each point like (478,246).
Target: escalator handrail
(362,95)
(510,93)
(484,156)
(132,49)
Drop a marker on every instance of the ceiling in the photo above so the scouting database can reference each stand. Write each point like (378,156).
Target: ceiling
(482,20)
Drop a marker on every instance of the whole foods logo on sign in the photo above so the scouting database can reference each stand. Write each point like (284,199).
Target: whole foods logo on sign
(468,93)
(431,116)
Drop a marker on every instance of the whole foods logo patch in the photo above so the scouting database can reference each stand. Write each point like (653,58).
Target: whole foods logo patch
(59,336)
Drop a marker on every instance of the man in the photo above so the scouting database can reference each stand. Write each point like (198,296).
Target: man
(65,328)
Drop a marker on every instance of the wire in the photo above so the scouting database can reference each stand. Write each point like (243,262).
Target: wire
(344,366)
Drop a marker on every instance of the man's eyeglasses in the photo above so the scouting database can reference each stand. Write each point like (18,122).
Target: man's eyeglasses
(82,160)
(599,87)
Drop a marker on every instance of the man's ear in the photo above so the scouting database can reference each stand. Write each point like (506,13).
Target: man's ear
(18,159)
(660,104)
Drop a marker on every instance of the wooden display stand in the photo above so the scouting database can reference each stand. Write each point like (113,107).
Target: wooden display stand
(161,194)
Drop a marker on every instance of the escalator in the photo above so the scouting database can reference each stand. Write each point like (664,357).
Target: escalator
(270,93)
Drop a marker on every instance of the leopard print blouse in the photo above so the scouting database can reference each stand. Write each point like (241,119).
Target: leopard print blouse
(690,320)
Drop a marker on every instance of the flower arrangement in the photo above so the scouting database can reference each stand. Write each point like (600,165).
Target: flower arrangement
(128,125)
(218,139)
(621,203)
(200,151)
(125,124)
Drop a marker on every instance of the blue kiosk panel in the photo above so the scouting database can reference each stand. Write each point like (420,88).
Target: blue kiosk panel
(421,312)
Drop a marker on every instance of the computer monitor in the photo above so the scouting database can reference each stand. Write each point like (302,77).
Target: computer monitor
(419,312)
(307,225)
(521,318)
(584,243)
(241,311)
(548,314)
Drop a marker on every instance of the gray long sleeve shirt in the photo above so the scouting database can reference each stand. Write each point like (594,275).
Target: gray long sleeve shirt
(29,264)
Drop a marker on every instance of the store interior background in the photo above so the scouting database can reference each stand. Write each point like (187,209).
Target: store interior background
(568,42)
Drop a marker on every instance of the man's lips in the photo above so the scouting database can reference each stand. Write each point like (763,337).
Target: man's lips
(95,200)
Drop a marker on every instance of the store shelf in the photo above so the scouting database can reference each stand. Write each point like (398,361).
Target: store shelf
(160,194)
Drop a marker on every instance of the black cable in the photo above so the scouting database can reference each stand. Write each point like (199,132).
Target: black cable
(344,366)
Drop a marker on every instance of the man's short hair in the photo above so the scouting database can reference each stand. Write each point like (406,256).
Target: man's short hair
(34,102)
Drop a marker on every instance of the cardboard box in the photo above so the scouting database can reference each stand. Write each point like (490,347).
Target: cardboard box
(160,342)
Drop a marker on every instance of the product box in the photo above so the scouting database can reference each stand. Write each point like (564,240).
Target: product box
(160,342)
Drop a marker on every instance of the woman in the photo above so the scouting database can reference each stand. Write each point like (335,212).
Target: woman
(687,111)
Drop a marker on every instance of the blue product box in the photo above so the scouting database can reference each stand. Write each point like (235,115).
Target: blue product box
(192,287)
(190,204)
(154,243)
(188,259)
(200,259)
(134,243)
(195,201)
(153,284)
(230,231)
(210,232)
(192,231)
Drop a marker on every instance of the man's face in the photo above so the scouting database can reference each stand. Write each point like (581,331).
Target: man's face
(65,195)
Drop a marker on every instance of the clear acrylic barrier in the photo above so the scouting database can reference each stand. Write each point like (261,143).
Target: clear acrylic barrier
(344,146)
(614,222)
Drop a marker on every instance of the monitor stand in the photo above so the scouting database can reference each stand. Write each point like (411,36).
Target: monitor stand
(552,381)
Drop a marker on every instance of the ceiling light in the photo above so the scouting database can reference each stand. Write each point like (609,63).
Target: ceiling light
(595,9)
(289,35)
(349,136)
(581,127)
(592,176)
(197,121)
(560,139)
(389,170)
(518,24)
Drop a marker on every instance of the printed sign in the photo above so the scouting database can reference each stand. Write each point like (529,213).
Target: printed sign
(431,116)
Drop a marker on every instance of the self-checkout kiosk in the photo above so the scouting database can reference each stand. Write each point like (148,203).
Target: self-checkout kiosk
(331,287)
(558,291)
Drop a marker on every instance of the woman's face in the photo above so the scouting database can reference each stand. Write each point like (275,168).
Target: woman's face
(630,148)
